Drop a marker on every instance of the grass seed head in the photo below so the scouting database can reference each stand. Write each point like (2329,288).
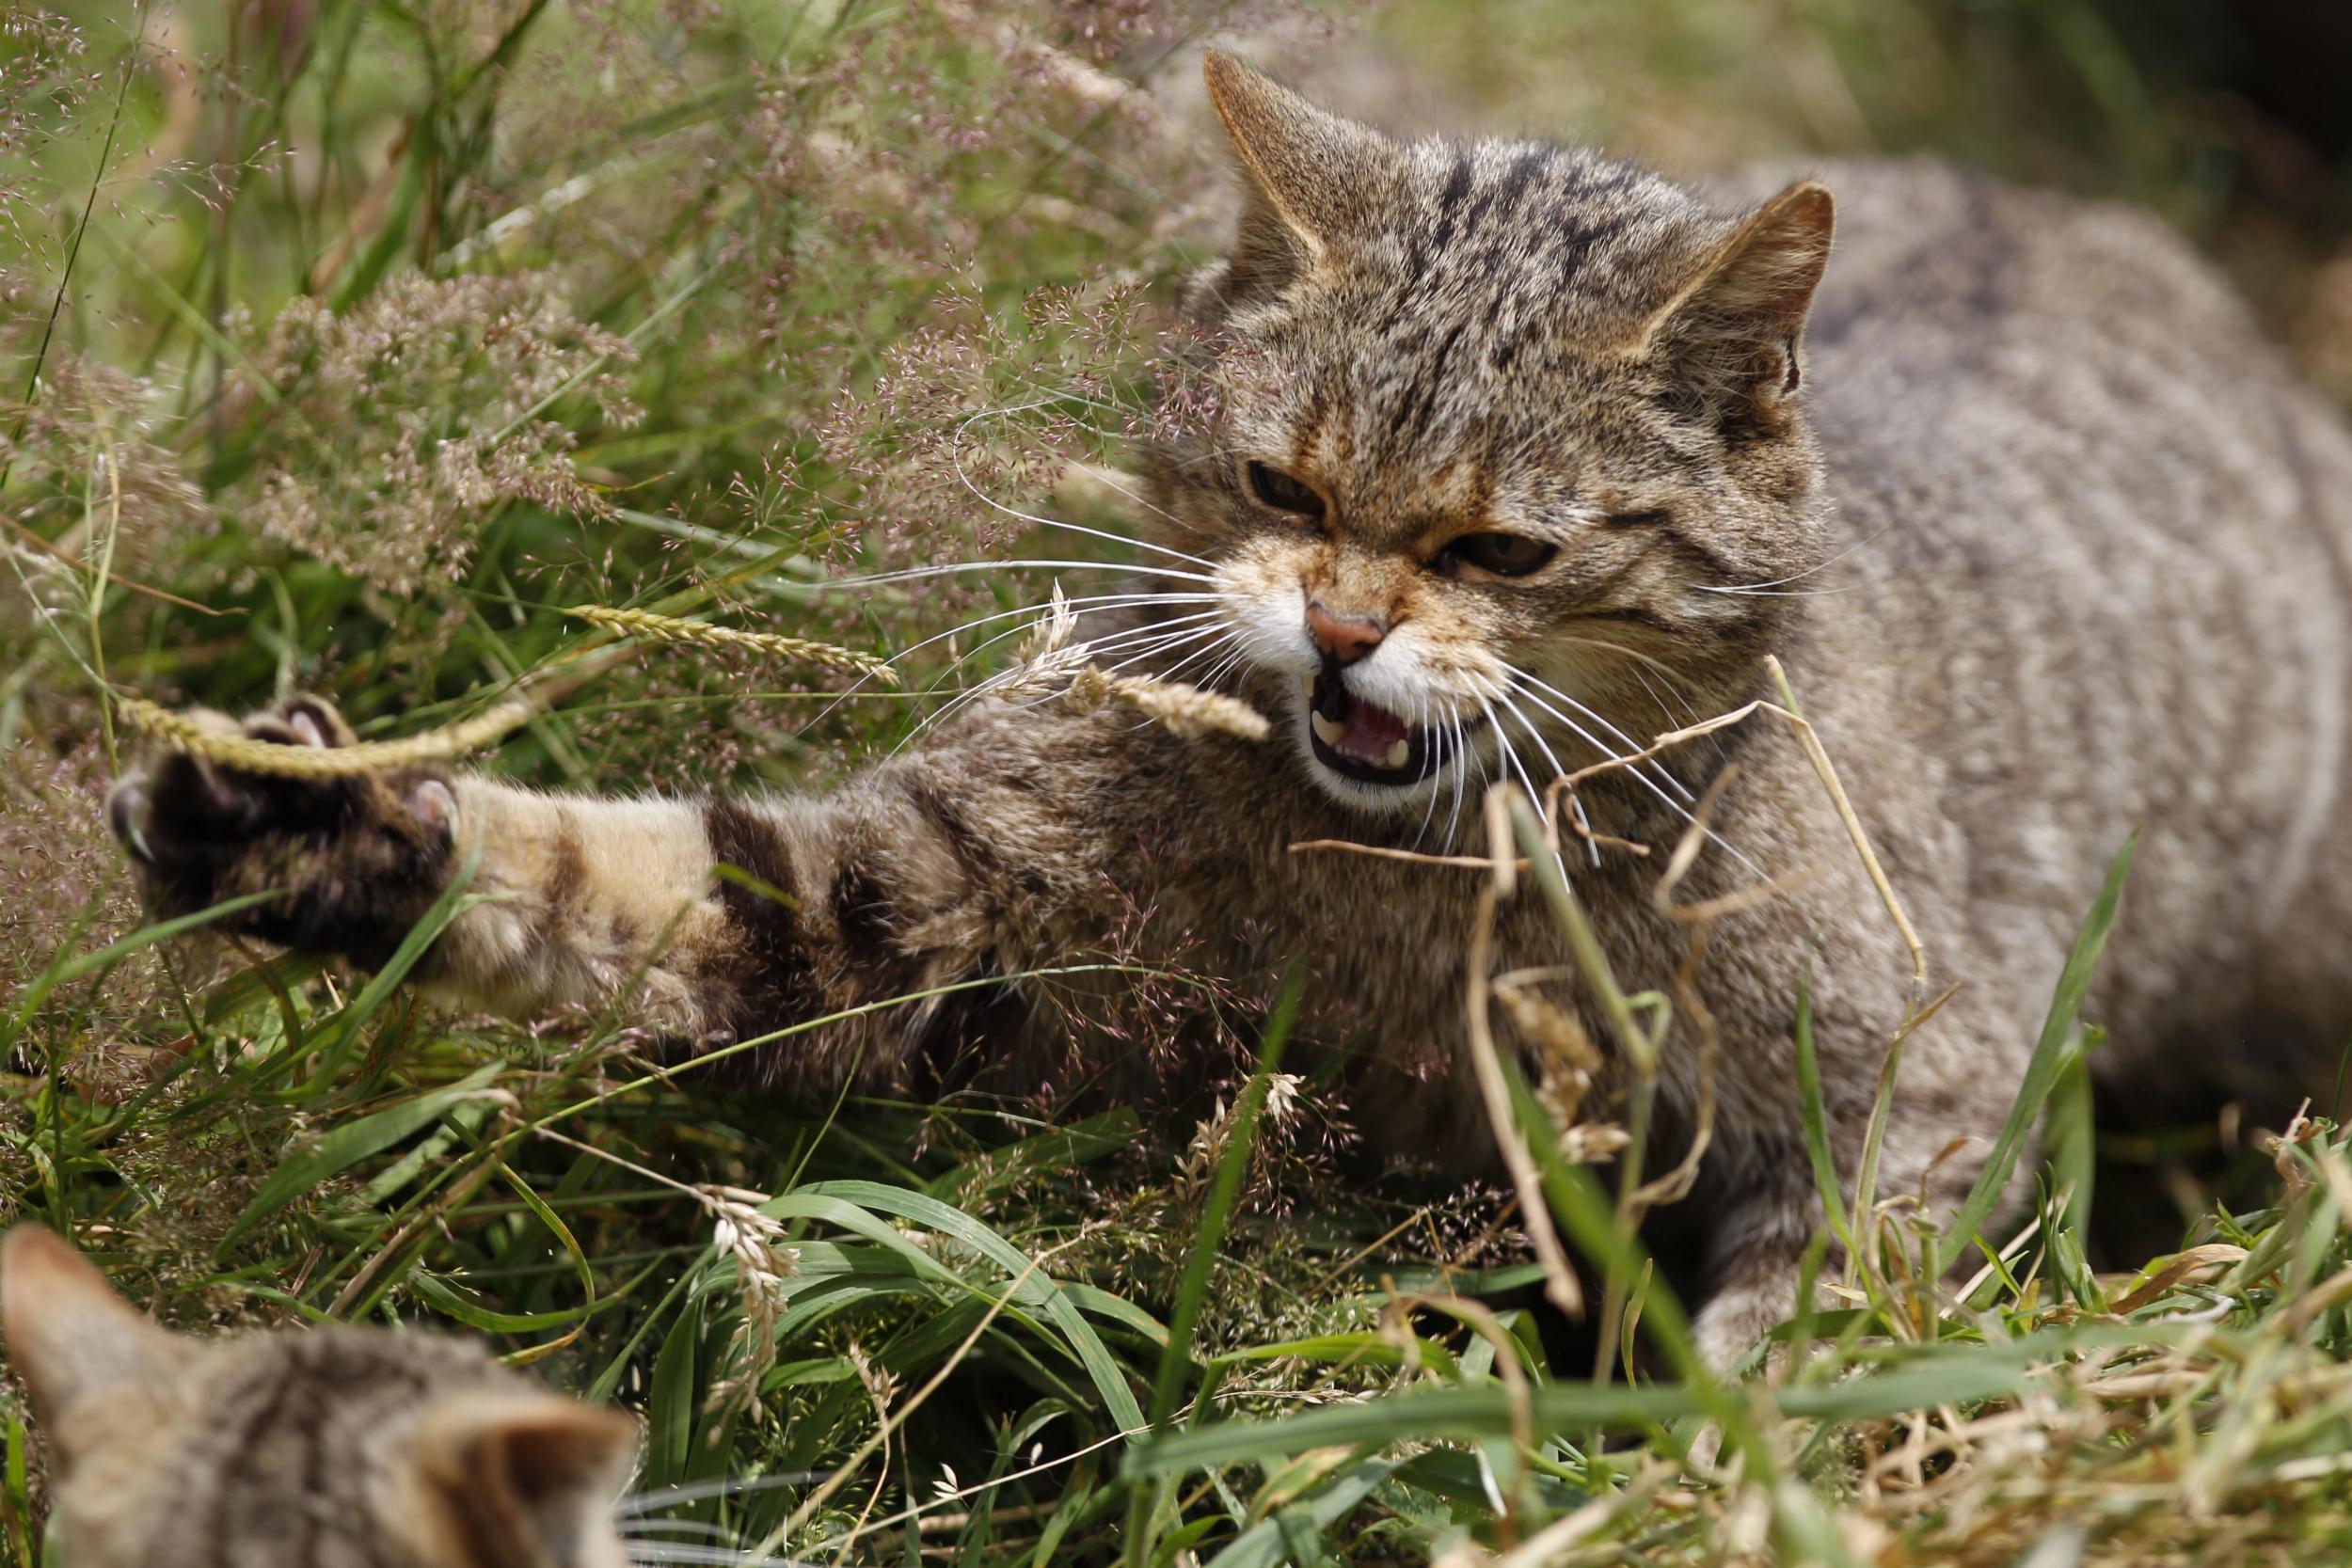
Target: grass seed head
(198,738)
(670,628)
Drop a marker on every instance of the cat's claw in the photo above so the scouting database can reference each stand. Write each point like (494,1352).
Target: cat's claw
(126,813)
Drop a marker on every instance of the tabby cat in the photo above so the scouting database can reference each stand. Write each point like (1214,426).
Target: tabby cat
(1516,457)
(331,1447)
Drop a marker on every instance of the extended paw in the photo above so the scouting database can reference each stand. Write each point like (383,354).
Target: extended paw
(354,859)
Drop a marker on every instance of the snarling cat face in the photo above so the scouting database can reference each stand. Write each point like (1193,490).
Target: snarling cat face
(1504,457)
(323,1449)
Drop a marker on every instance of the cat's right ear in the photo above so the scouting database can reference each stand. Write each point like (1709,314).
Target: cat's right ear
(69,1335)
(527,1483)
(1309,179)
(1730,334)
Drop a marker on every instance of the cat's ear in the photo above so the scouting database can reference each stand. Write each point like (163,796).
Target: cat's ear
(1729,335)
(69,1335)
(528,1480)
(1309,179)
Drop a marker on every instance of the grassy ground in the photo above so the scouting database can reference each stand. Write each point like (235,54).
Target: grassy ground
(348,347)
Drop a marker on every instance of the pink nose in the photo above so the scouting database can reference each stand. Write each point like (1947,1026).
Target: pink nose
(1344,638)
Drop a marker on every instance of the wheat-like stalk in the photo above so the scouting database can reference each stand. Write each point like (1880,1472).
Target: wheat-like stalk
(669,629)
(249,755)
(1186,710)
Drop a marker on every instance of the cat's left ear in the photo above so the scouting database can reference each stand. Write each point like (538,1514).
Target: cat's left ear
(1310,180)
(69,1335)
(1729,335)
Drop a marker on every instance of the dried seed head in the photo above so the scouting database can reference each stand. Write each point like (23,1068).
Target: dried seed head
(1186,711)
(670,628)
(1053,630)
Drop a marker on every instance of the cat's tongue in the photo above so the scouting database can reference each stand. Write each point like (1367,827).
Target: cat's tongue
(1372,734)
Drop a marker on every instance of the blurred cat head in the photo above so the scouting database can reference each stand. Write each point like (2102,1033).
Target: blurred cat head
(325,1447)
(1496,436)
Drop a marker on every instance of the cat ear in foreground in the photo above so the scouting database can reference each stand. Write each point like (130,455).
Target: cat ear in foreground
(1309,179)
(1729,333)
(69,1335)
(528,1482)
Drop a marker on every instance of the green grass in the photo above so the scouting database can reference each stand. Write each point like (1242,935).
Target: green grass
(753,277)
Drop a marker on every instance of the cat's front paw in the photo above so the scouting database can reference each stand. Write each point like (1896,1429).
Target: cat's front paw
(353,860)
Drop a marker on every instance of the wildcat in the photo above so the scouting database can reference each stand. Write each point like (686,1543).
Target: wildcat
(328,1447)
(1518,456)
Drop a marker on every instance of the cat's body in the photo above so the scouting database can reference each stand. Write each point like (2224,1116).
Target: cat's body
(2067,560)
(336,1447)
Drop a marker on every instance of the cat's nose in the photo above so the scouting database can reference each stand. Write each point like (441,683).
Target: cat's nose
(1343,638)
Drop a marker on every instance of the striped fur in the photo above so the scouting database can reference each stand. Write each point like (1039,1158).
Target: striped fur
(2051,543)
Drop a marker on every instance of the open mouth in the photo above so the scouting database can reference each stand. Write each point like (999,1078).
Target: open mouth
(1359,741)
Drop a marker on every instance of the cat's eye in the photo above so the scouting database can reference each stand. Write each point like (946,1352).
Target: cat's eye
(1504,555)
(1284,492)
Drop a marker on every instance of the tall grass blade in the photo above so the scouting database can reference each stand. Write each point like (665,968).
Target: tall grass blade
(1193,1289)
(2041,1069)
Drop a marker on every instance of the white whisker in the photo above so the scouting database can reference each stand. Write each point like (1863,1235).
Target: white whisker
(651,1529)
(1222,668)
(1094,602)
(1149,639)
(1157,636)
(1461,765)
(955,457)
(1777,592)
(1664,711)
(1192,636)
(1575,805)
(645,1552)
(1511,757)
(1628,741)
(1157,510)
(1643,777)
(725,1486)
(1817,566)
(1206,650)
(1025,563)
(1106,640)
(1169,675)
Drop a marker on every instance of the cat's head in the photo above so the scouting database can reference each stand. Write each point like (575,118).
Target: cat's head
(1499,436)
(320,1448)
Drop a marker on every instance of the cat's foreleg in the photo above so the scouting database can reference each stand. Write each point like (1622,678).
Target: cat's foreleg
(709,921)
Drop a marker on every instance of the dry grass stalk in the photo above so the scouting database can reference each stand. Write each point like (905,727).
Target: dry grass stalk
(249,755)
(670,628)
(1811,744)
(1186,710)
(1560,1282)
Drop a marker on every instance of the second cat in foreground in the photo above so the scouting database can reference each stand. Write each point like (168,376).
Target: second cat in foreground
(1516,456)
(332,1448)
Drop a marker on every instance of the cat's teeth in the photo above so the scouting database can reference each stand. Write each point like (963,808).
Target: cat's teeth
(1330,730)
(1400,753)
(1307,685)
